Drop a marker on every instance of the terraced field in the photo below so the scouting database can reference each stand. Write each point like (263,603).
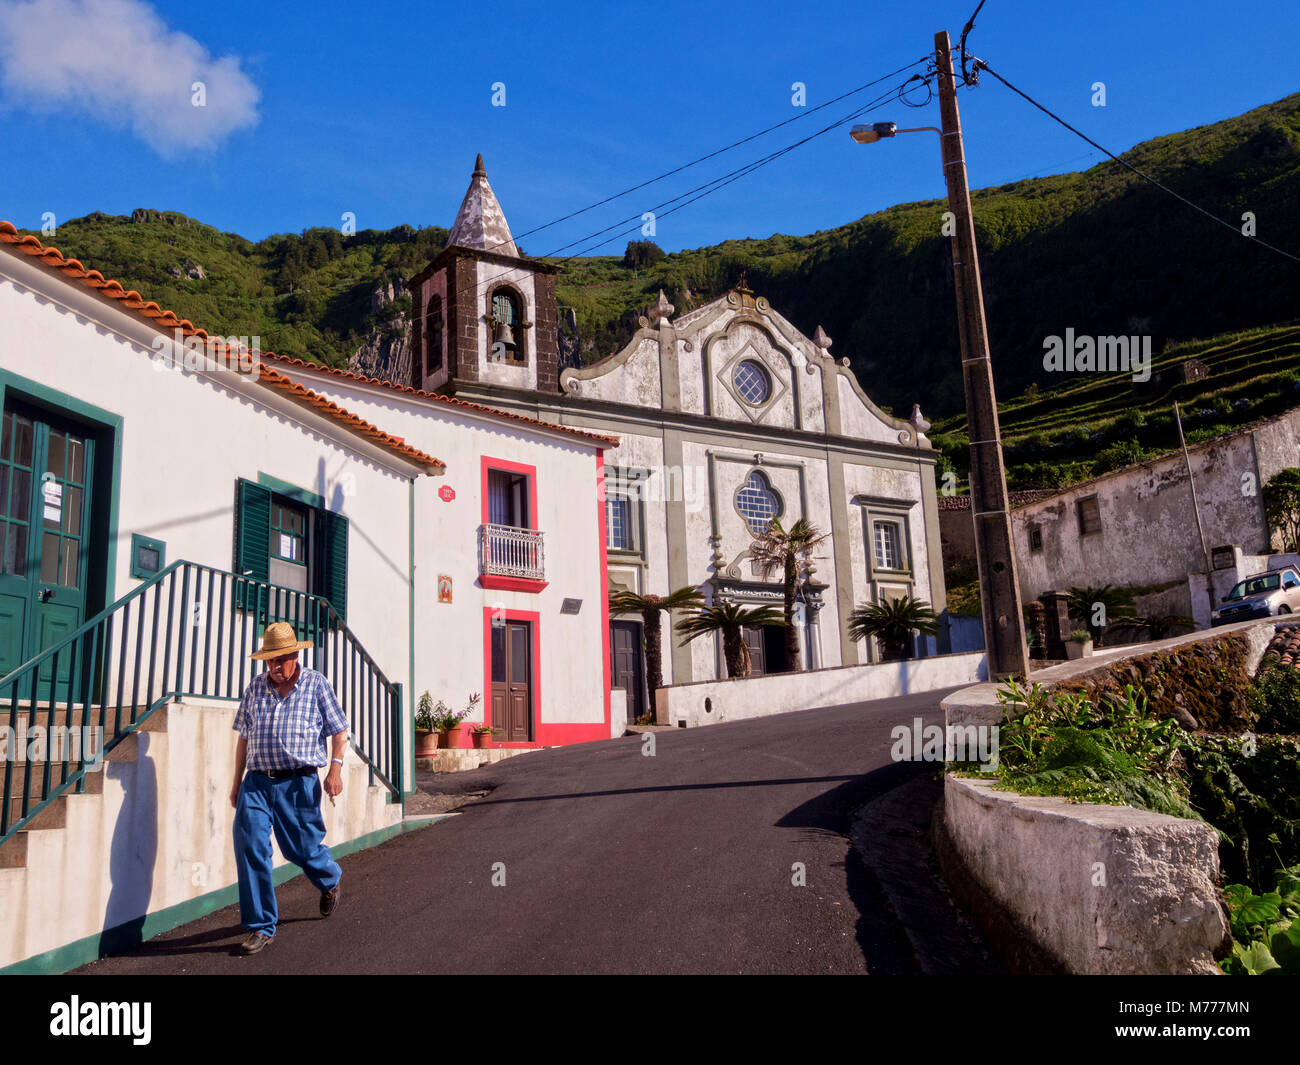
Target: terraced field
(1101,422)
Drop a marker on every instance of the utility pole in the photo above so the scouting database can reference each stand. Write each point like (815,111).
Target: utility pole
(1004,633)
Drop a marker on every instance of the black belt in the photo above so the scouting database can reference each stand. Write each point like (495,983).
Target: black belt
(282,774)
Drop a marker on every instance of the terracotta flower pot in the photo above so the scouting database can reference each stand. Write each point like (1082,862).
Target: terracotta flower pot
(480,739)
(452,738)
(426,742)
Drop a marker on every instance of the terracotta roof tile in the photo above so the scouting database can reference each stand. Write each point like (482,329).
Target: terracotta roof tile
(1019,498)
(612,441)
(271,378)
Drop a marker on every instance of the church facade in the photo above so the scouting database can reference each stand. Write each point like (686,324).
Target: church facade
(727,416)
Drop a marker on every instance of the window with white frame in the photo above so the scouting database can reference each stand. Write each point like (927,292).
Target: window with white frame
(622,510)
(888,545)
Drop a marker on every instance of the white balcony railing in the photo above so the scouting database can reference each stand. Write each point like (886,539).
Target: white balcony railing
(505,551)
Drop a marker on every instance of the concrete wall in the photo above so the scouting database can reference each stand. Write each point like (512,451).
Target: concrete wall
(158,834)
(712,702)
(1103,889)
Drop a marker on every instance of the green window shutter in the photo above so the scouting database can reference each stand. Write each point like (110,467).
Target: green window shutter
(332,555)
(252,536)
(253,531)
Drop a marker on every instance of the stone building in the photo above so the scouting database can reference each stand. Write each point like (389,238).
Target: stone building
(728,417)
(1141,528)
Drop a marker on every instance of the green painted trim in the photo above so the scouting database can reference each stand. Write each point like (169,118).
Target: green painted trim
(122,937)
(108,423)
(410,606)
(284,488)
(149,543)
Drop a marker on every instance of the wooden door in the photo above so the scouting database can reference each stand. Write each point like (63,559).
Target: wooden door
(512,696)
(628,673)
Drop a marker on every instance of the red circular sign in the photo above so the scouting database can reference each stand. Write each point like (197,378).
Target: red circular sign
(446,493)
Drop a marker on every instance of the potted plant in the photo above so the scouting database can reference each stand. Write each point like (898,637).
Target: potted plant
(1079,645)
(449,722)
(426,733)
(480,734)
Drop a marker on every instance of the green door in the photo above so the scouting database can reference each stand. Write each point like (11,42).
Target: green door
(45,507)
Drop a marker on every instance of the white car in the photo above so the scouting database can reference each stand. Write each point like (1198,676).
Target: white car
(1264,595)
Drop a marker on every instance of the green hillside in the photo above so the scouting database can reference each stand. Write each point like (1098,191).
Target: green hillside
(1096,423)
(1098,251)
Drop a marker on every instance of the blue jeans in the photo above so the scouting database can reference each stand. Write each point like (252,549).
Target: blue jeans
(291,808)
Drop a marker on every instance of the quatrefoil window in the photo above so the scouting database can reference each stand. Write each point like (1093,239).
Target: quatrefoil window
(758,503)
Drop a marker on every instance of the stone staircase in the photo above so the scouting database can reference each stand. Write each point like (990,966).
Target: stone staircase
(151,832)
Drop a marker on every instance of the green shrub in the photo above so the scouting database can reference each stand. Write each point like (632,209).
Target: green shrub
(1265,928)
(1275,700)
(1115,753)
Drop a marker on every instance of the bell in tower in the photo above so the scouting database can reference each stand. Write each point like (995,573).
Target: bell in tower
(485,319)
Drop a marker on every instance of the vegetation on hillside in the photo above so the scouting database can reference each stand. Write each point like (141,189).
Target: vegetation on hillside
(1099,251)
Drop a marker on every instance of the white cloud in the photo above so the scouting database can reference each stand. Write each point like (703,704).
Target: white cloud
(118,61)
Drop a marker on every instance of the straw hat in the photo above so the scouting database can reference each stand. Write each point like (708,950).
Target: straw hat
(280,639)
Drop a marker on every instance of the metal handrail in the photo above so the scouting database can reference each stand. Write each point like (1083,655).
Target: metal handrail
(186,631)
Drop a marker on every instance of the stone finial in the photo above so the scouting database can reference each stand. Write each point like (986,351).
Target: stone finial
(821,339)
(918,421)
(660,309)
(480,222)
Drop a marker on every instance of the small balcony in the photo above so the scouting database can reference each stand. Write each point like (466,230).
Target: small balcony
(511,559)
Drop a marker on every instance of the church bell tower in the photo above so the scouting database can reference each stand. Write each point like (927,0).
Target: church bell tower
(484,315)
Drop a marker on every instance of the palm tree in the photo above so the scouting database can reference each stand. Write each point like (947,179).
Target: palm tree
(893,622)
(779,549)
(1117,608)
(650,607)
(728,618)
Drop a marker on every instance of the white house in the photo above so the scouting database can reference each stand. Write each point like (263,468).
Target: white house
(164,494)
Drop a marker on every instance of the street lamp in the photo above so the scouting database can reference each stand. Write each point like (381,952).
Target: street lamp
(1004,635)
(874,132)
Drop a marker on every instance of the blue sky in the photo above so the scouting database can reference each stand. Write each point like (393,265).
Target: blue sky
(313,110)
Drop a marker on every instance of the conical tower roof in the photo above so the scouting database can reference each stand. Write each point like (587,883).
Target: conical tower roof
(480,222)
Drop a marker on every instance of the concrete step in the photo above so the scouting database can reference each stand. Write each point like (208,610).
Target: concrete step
(36,783)
(53,816)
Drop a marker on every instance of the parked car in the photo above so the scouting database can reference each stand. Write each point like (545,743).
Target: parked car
(1264,595)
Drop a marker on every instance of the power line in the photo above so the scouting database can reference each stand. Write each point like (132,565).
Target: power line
(696,193)
(737,174)
(981,65)
(720,151)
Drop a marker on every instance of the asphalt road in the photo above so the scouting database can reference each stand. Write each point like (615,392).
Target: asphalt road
(613,862)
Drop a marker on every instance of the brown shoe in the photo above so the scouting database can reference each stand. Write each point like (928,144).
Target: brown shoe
(328,900)
(256,941)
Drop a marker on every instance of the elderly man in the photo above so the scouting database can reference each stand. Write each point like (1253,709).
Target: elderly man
(283,720)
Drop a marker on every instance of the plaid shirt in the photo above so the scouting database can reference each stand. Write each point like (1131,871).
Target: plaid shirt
(290,732)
